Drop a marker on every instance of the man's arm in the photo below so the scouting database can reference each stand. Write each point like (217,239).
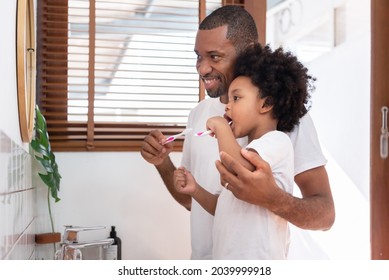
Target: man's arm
(317,204)
(158,155)
(314,211)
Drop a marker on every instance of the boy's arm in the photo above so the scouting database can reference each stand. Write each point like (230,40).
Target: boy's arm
(185,184)
(206,199)
(226,140)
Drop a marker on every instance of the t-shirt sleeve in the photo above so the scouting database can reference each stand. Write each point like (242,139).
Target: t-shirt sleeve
(307,150)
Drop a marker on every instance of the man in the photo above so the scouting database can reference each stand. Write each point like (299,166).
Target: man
(221,37)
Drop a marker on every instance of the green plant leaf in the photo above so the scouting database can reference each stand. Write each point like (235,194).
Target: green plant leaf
(43,154)
(40,148)
(50,180)
(47,165)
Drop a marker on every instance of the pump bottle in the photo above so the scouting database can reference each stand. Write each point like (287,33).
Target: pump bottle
(114,251)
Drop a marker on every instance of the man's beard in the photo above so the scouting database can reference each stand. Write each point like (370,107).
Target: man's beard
(221,90)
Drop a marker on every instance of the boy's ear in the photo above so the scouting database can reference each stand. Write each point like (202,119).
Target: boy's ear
(265,104)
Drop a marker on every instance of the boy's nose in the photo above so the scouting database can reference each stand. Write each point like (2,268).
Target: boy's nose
(227,108)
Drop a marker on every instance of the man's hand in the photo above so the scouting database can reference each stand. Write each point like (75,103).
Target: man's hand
(255,187)
(152,149)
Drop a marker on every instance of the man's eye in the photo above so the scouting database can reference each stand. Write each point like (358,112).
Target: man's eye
(215,57)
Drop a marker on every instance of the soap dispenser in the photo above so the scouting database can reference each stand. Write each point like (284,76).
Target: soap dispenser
(114,251)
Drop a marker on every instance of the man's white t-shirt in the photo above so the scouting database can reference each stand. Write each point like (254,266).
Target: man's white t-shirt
(200,154)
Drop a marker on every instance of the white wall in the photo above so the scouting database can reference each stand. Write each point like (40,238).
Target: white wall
(341,112)
(341,106)
(121,189)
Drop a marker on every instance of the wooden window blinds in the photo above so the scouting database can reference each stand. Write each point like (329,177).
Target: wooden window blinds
(110,71)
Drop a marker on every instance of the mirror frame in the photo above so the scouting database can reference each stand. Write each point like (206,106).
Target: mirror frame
(26,67)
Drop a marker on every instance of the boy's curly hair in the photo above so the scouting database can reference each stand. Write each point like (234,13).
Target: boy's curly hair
(281,78)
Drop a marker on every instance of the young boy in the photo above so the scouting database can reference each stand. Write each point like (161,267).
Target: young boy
(267,98)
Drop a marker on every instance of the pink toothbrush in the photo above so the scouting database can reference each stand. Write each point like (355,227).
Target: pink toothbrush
(207,132)
(203,133)
(174,137)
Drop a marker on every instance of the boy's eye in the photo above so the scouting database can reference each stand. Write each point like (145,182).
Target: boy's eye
(236,98)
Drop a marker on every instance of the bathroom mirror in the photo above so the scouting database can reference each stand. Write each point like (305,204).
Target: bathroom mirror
(25,66)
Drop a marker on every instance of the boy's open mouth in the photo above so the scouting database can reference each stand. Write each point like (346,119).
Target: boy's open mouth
(229,120)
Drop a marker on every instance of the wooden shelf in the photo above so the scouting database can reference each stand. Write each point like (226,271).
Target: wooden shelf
(46,238)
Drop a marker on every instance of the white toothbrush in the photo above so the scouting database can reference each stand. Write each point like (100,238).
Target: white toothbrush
(207,132)
(174,137)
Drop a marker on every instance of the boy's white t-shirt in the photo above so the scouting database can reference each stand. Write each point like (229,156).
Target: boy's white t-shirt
(200,154)
(244,231)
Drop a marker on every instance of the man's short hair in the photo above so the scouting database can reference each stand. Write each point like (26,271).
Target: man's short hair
(241,28)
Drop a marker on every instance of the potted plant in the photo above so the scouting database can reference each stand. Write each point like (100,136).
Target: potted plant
(41,151)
